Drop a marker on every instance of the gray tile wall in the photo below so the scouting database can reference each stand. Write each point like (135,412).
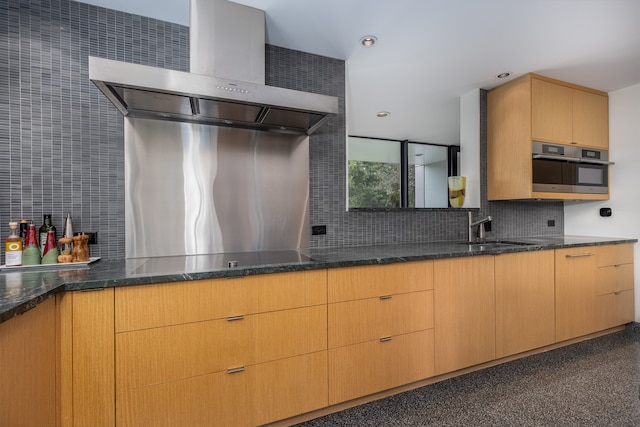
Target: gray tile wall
(303,71)
(61,141)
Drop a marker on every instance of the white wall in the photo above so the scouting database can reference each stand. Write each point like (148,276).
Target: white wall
(470,146)
(582,218)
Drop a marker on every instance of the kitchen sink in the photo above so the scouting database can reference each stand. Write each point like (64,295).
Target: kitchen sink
(486,246)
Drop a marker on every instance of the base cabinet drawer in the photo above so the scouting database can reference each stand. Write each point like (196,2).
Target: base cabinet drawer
(216,399)
(369,281)
(158,355)
(288,387)
(352,322)
(248,396)
(366,368)
(614,278)
(616,309)
(594,289)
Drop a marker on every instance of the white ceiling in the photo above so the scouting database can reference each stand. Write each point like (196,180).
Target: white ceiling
(432,51)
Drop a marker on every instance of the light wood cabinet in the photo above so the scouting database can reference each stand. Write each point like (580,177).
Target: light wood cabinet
(28,368)
(594,289)
(534,107)
(591,119)
(464,301)
(525,296)
(551,112)
(567,115)
(380,328)
(264,348)
(87,358)
(362,369)
(151,306)
(615,286)
(351,283)
(243,336)
(195,401)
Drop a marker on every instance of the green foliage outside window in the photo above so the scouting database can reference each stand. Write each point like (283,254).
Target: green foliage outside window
(377,185)
(374,185)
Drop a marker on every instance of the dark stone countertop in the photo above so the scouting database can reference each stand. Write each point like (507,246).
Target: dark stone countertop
(21,290)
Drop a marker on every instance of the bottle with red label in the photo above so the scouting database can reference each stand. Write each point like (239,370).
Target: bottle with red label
(31,251)
(50,252)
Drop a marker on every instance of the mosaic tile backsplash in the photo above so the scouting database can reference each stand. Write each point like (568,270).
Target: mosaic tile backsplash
(61,140)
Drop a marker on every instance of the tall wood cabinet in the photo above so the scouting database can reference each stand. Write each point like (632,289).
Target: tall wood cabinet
(28,368)
(465,326)
(380,328)
(525,295)
(534,107)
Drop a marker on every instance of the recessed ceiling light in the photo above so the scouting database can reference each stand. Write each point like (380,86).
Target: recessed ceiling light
(368,41)
(383,114)
(504,75)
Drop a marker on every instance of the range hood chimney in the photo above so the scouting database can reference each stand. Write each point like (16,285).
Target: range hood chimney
(226,84)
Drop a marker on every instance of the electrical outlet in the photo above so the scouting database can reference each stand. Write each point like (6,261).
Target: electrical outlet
(551,223)
(318,229)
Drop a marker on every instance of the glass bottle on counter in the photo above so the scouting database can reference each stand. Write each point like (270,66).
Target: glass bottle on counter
(44,230)
(31,251)
(50,253)
(24,225)
(13,246)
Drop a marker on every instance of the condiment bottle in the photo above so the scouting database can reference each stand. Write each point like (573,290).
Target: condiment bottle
(81,248)
(24,224)
(50,255)
(43,232)
(31,251)
(13,246)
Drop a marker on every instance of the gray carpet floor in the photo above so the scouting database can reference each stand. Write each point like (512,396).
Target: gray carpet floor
(592,383)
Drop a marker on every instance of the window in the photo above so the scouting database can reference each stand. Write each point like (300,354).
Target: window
(393,174)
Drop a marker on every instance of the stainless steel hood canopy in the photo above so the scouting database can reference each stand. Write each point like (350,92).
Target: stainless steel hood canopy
(224,36)
(139,91)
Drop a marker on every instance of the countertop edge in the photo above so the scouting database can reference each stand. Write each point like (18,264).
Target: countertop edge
(22,306)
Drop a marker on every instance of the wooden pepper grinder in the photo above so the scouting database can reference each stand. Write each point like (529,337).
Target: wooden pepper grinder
(81,248)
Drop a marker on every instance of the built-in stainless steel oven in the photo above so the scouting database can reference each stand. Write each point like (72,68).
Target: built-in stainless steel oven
(569,169)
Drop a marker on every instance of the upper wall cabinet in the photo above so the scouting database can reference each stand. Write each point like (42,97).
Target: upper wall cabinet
(536,108)
(567,115)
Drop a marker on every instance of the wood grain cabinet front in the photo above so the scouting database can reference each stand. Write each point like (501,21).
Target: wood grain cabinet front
(525,296)
(567,115)
(380,328)
(254,352)
(465,307)
(594,289)
(28,367)
(615,286)
(534,107)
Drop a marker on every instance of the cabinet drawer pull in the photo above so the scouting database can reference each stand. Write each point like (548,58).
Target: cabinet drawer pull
(232,318)
(235,370)
(617,292)
(386,339)
(386,296)
(580,255)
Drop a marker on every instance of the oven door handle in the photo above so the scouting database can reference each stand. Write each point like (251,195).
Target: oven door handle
(552,157)
(596,162)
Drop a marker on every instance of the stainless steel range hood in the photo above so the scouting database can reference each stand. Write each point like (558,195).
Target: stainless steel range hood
(226,39)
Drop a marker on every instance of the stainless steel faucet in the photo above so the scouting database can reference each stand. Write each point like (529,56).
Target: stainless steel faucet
(480,223)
